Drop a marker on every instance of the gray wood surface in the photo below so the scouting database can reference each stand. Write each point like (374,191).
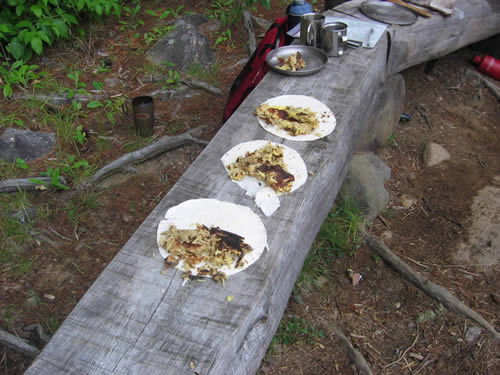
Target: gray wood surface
(136,320)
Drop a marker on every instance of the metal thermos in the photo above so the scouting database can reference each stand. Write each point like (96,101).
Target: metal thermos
(295,10)
(488,65)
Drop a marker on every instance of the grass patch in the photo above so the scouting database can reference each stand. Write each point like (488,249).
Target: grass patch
(339,235)
(14,234)
(82,205)
(295,329)
(209,75)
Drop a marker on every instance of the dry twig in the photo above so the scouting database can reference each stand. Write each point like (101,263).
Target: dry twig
(435,291)
(355,356)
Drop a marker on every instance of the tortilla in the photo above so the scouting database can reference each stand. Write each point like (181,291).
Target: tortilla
(293,162)
(324,115)
(212,213)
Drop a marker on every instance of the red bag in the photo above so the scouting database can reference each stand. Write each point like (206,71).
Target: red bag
(256,67)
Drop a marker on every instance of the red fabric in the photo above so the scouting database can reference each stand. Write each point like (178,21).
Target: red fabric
(256,67)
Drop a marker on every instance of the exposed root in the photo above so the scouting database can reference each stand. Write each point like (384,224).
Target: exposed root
(15,343)
(355,356)
(435,291)
(165,143)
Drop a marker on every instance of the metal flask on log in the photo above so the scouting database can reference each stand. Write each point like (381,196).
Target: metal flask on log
(144,115)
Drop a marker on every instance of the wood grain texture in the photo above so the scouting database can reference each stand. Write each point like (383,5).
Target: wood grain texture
(136,320)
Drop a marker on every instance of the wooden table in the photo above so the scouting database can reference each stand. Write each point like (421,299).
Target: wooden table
(136,320)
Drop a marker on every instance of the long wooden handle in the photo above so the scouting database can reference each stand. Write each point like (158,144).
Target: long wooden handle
(417,10)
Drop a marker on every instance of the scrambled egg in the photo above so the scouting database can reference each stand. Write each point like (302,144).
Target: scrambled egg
(294,120)
(265,164)
(203,249)
(293,62)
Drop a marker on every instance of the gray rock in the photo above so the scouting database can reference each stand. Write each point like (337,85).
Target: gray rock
(211,27)
(434,154)
(25,144)
(364,184)
(194,19)
(473,334)
(24,216)
(182,47)
(111,82)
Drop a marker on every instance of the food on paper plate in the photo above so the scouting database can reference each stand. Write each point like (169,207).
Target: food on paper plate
(292,63)
(265,170)
(296,117)
(210,238)
(294,120)
(266,164)
(204,249)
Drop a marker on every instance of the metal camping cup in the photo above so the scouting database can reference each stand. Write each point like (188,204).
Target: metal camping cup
(310,29)
(334,38)
(144,115)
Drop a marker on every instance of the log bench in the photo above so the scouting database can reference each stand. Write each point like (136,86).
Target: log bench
(136,320)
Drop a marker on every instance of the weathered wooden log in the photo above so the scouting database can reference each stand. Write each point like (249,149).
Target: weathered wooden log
(162,145)
(433,290)
(355,356)
(135,319)
(386,113)
(15,343)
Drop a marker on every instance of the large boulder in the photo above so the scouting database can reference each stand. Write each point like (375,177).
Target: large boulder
(181,48)
(364,184)
(25,144)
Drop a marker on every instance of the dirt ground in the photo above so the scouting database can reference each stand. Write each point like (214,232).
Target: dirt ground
(441,235)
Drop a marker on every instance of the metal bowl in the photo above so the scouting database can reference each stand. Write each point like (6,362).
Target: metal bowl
(315,59)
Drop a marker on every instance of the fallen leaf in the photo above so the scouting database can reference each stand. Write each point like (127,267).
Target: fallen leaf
(229,298)
(192,364)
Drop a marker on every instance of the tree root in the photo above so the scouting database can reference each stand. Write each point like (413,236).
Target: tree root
(355,356)
(17,184)
(165,143)
(17,344)
(435,291)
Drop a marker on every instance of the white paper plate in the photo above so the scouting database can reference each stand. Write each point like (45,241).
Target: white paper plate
(325,116)
(227,216)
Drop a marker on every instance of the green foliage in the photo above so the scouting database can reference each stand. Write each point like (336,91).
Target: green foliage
(55,183)
(20,163)
(339,235)
(16,74)
(14,234)
(9,120)
(292,330)
(341,230)
(79,135)
(52,324)
(27,25)
(82,205)
(169,12)
(157,33)
(228,11)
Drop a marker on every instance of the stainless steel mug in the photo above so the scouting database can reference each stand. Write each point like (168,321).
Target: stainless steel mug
(144,115)
(334,38)
(310,29)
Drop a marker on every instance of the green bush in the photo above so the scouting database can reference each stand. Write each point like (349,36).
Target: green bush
(27,25)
